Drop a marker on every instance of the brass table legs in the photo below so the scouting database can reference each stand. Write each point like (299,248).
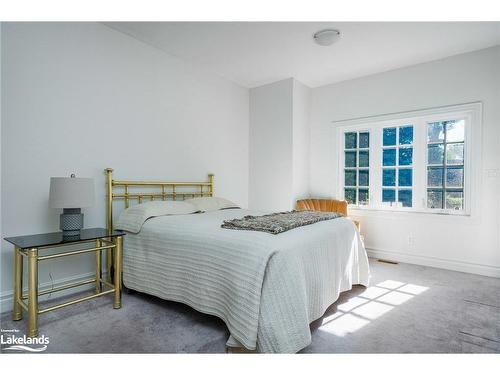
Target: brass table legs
(114,263)
(32,307)
(98,267)
(33,292)
(17,313)
(109,264)
(118,272)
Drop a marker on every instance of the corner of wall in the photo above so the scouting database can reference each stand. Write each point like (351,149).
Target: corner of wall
(279,144)
(270,162)
(301,140)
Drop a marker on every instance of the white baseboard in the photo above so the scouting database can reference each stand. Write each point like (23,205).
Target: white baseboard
(7,298)
(454,265)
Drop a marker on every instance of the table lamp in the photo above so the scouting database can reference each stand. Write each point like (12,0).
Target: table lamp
(71,194)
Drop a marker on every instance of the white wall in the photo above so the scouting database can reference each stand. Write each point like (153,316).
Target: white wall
(79,97)
(271,147)
(301,141)
(463,243)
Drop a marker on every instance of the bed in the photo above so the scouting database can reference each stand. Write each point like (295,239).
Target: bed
(266,288)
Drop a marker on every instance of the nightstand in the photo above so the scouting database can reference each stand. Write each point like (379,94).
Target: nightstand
(358,227)
(31,247)
(357,224)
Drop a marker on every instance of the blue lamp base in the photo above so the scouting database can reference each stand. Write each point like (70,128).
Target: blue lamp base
(71,222)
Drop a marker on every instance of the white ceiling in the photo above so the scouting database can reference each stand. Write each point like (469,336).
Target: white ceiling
(255,53)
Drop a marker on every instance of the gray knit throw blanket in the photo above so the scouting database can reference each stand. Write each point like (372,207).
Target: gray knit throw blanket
(279,222)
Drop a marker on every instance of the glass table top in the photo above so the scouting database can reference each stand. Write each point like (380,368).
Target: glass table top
(56,238)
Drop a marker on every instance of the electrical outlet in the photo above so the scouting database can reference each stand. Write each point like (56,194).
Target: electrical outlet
(411,241)
(493,173)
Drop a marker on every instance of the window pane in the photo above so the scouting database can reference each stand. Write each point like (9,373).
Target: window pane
(363,196)
(404,196)
(455,131)
(455,153)
(363,178)
(454,200)
(364,159)
(405,177)
(435,132)
(455,176)
(364,140)
(406,156)
(406,135)
(389,157)
(434,198)
(350,196)
(389,137)
(389,177)
(388,195)
(435,154)
(350,177)
(351,140)
(434,177)
(350,158)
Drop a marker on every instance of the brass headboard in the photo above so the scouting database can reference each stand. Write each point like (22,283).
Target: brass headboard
(167,191)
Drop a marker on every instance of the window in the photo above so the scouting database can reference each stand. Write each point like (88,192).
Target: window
(416,161)
(445,164)
(357,167)
(397,162)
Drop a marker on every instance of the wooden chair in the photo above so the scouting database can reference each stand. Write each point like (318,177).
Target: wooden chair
(325,205)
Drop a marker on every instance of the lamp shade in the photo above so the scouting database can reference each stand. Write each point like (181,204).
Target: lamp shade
(71,192)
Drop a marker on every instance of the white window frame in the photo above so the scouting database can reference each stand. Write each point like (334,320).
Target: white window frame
(397,167)
(470,112)
(358,168)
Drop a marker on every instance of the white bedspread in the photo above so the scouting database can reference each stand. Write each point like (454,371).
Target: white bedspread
(266,288)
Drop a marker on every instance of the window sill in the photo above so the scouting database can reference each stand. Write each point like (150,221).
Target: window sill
(369,211)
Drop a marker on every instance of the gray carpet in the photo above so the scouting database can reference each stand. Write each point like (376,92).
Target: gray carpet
(407,309)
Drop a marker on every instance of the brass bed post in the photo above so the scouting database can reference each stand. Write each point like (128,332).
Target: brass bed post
(211,180)
(109,196)
(109,219)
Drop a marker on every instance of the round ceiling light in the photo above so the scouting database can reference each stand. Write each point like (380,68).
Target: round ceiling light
(326,37)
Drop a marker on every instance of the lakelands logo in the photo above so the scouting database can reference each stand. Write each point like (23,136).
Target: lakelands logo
(22,343)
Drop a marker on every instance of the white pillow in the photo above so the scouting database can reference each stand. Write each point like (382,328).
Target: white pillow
(134,217)
(207,204)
